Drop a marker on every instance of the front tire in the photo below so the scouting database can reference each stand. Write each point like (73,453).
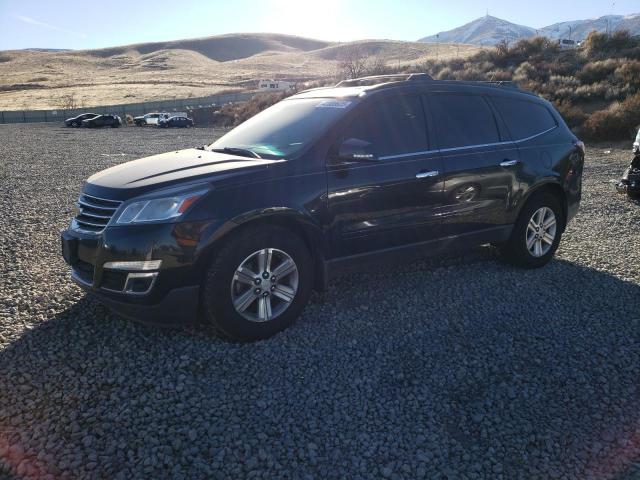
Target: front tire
(537,232)
(258,283)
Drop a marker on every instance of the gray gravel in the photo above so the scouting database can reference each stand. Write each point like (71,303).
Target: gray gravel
(460,367)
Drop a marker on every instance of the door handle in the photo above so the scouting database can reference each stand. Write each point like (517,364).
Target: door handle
(509,163)
(432,173)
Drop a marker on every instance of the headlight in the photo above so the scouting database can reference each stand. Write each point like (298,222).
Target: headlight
(158,209)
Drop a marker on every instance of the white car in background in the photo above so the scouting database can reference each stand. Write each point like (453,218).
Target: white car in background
(151,119)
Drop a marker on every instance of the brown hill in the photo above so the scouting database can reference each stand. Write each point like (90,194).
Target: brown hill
(36,79)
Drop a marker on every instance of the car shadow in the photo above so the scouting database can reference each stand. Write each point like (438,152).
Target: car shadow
(472,352)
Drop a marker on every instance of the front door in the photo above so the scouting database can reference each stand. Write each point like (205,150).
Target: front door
(389,200)
(480,165)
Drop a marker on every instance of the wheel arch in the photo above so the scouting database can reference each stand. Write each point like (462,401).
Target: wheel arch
(288,218)
(555,189)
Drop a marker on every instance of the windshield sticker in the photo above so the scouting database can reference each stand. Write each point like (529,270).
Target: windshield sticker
(333,104)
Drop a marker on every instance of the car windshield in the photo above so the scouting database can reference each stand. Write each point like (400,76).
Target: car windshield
(284,129)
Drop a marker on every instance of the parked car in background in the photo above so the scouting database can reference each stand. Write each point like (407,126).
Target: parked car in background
(77,121)
(150,119)
(176,122)
(630,181)
(113,121)
(376,169)
(567,44)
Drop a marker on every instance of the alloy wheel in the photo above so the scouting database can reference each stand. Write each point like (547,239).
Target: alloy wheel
(541,232)
(264,285)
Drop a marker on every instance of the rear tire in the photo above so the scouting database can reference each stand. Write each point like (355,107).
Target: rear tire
(236,305)
(537,232)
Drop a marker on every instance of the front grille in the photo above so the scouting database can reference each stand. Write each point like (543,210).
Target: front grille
(94,213)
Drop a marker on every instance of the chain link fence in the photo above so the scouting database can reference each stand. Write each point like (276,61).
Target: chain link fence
(133,109)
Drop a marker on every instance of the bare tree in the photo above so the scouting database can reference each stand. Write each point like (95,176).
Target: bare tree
(353,62)
(377,66)
(68,102)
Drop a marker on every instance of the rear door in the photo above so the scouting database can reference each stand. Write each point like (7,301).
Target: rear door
(392,201)
(480,164)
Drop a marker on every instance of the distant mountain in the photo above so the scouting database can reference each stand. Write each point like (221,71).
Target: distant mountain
(485,30)
(579,29)
(490,30)
(46,50)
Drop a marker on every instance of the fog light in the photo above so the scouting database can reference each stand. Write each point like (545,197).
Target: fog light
(139,283)
(143,265)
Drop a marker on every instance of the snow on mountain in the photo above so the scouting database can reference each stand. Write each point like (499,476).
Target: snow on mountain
(486,30)
(490,30)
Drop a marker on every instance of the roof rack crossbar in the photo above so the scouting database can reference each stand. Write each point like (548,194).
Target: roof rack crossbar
(374,79)
(501,83)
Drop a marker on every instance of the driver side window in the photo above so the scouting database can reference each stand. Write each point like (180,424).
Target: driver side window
(393,126)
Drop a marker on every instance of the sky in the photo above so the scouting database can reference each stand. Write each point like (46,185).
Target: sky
(98,23)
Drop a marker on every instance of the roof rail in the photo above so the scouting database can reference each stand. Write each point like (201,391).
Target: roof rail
(375,79)
(501,83)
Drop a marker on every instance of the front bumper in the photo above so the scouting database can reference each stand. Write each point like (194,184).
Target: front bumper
(164,294)
(179,307)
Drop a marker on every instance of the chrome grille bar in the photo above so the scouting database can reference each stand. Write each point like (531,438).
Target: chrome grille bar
(94,213)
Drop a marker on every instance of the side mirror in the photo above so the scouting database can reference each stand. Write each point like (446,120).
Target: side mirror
(356,150)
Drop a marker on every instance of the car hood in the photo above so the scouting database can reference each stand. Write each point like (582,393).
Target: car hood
(139,176)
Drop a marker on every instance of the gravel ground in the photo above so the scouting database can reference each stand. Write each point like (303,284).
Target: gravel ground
(460,367)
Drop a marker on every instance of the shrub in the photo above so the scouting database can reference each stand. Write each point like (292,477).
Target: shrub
(587,93)
(445,74)
(619,44)
(618,122)
(500,75)
(629,73)
(574,116)
(470,73)
(594,72)
(236,113)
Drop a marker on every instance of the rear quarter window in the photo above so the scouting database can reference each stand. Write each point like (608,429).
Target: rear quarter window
(463,120)
(524,119)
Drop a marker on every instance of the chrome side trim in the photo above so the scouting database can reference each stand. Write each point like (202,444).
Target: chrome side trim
(454,149)
(498,143)
(536,135)
(404,155)
(432,173)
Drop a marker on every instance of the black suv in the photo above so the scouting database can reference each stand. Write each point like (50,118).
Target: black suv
(77,121)
(112,121)
(381,168)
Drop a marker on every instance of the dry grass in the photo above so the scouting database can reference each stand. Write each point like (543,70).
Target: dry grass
(186,68)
